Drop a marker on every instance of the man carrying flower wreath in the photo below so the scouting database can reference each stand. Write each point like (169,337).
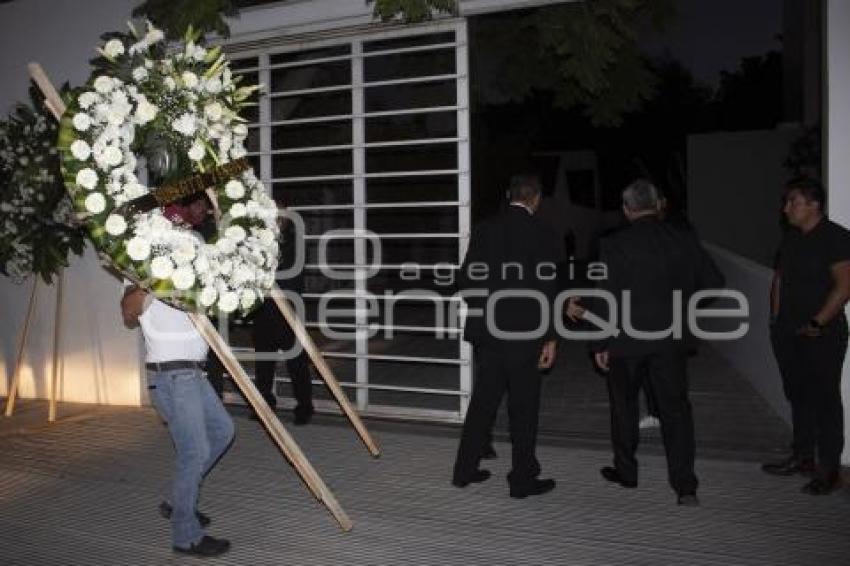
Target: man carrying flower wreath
(200,428)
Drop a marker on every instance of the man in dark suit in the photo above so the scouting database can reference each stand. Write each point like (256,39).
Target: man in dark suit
(509,282)
(652,260)
(272,333)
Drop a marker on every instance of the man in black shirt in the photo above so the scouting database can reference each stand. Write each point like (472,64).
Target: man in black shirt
(810,288)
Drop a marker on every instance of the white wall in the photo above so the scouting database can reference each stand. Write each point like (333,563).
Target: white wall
(837,106)
(752,355)
(735,182)
(101,357)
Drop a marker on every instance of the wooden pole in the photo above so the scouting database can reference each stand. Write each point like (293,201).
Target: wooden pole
(281,437)
(324,370)
(51,96)
(54,103)
(57,346)
(16,378)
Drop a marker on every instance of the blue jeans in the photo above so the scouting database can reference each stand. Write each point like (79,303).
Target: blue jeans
(201,431)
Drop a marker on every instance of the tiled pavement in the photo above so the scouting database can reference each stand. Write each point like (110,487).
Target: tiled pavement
(85,491)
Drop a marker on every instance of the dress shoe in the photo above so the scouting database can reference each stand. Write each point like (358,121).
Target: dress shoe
(165,512)
(822,486)
(489,453)
(206,547)
(537,487)
(303,415)
(613,475)
(687,500)
(477,476)
(790,466)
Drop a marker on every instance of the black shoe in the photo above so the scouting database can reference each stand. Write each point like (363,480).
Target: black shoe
(790,466)
(489,453)
(613,475)
(687,500)
(303,416)
(822,486)
(165,512)
(206,547)
(477,477)
(537,487)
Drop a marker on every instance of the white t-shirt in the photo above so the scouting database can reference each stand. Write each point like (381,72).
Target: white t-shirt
(170,335)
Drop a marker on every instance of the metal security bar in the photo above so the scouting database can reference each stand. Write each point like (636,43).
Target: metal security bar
(367,138)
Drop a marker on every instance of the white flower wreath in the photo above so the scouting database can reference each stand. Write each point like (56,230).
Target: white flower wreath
(37,230)
(184,104)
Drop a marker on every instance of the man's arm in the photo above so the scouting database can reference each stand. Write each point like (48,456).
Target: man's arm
(133,304)
(775,286)
(838,295)
(547,354)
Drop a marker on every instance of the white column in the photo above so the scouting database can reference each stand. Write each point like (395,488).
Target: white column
(837,155)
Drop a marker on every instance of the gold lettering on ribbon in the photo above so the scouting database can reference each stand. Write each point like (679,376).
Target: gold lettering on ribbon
(172,192)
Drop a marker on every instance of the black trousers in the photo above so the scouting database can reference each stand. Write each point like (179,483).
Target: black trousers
(666,374)
(499,371)
(272,333)
(811,377)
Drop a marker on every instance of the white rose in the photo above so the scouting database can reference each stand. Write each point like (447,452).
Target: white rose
(103,84)
(183,254)
(115,225)
(162,267)
(154,35)
(80,150)
(87,99)
(189,79)
(145,111)
(202,264)
(208,296)
(196,152)
(240,130)
(95,203)
(238,210)
(235,233)
(238,152)
(225,267)
(138,248)
(228,301)
(226,245)
(234,189)
(140,74)
(87,178)
(183,278)
(112,156)
(266,236)
(242,274)
(199,53)
(82,121)
(213,86)
(169,83)
(113,48)
(213,111)
(247,299)
(185,125)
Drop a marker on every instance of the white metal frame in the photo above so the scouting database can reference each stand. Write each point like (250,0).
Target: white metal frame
(360,205)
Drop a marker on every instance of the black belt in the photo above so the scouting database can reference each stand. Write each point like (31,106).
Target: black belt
(176,364)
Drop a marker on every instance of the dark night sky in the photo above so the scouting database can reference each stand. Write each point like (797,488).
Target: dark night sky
(712,35)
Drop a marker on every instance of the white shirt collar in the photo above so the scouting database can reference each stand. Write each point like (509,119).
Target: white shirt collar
(523,205)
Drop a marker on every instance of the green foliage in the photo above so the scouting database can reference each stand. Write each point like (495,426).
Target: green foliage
(175,16)
(37,229)
(412,11)
(585,53)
